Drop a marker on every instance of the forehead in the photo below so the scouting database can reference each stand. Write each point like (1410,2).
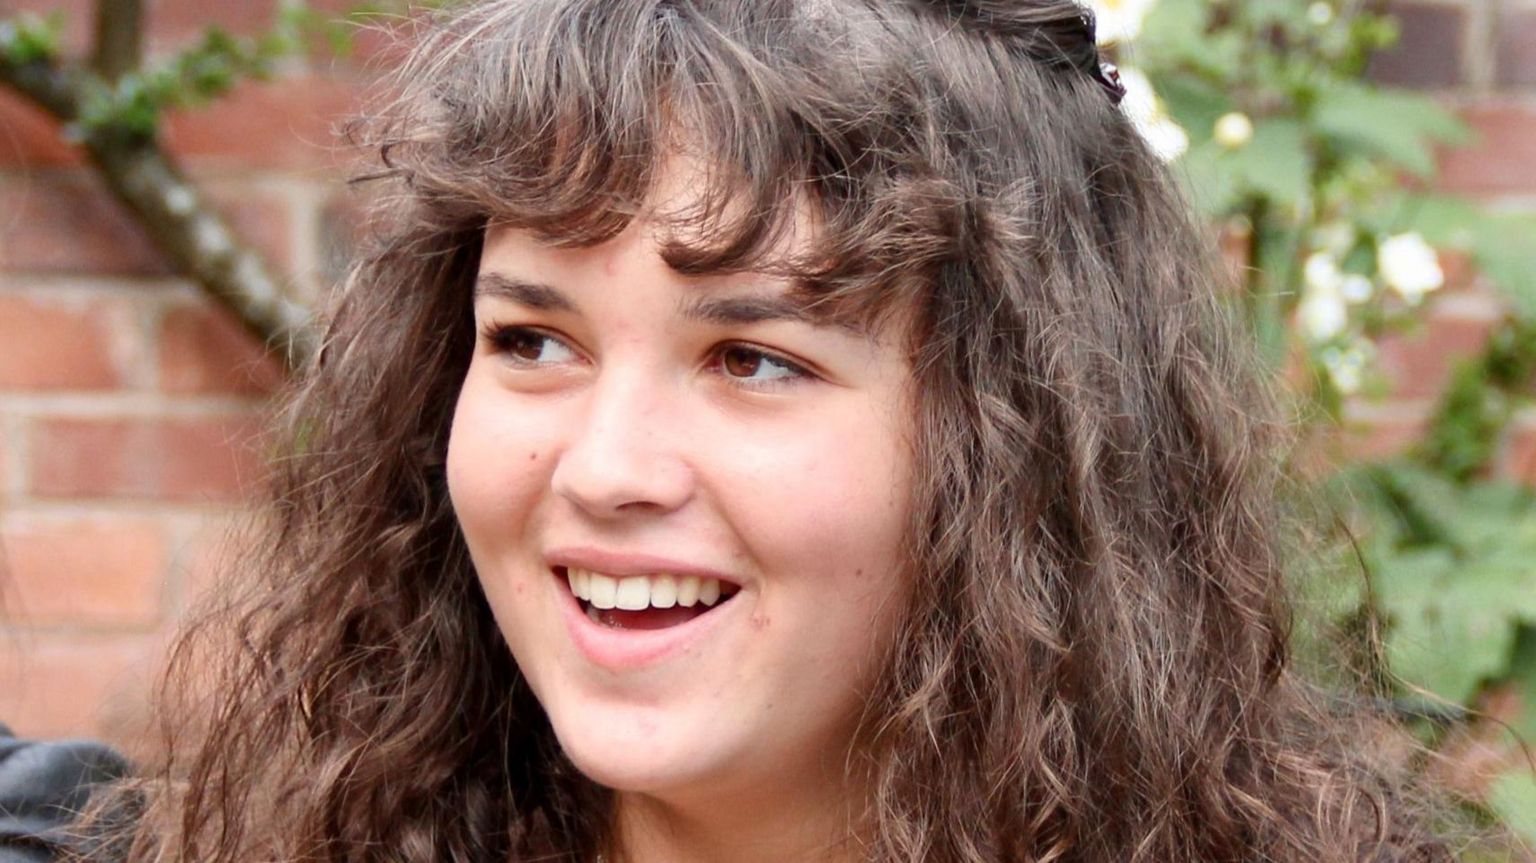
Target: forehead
(688,207)
(697,213)
(640,250)
(519,268)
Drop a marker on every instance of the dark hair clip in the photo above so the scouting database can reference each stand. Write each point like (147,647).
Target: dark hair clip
(1109,78)
(1103,72)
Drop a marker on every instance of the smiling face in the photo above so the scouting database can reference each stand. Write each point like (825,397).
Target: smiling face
(624,431)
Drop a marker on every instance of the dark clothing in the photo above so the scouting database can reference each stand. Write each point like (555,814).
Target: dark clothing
(42,787)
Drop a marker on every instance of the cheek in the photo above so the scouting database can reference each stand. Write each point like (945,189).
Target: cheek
(495,467)
(827,514)
(849,486)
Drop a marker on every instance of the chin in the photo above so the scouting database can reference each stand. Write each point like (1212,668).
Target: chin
(635,772)
(641,761)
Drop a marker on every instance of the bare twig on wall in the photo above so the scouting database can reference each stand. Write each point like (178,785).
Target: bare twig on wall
(147,180)
(119,36)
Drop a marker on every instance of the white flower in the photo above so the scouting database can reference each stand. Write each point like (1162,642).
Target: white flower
(1336,237)
(1346,367)
(1320,14)
(1120,20)
(1322,312)
(1356,288)
(1410,266)
(1321,272)
(1140,99)
(1234,130)
(1166,137)
(1322,315)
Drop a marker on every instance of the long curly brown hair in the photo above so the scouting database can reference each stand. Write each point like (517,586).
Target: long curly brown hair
(1096,663)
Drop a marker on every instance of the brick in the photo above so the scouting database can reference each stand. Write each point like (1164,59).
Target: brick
(1501,158)
(31,137)
(172,24)
(261,217)
(67,222)
(207,559)
(288,123)
(1429,52)
(1234,242)
(1516,61)
(95,686)
(1419,364)
(203,349)
(343,226)
(97,570)
(8,446)
(378,41)
(195,459)
(65,342)
(1461,275)
(1378,432)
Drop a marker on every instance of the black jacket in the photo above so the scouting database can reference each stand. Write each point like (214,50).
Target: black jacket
(42,786)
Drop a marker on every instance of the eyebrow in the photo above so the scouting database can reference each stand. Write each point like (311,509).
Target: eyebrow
(721,311)
(530,294)
(741,311)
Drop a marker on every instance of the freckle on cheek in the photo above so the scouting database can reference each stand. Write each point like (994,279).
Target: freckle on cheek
(759,621)
(533,456)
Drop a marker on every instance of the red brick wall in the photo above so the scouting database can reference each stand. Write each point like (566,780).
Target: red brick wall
(1479,56)
(128,403)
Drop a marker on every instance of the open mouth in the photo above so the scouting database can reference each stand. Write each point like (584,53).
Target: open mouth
(656,601)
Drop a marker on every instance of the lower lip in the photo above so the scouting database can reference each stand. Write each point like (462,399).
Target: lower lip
(623,649)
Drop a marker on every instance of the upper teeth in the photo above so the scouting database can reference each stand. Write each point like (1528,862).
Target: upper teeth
(638,592)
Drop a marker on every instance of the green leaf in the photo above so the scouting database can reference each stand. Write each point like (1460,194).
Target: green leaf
(1513,797)
(1500,243)
(1504,248)
(30,39)
(1211,186)
(1174,29)
(1276,163)
(1193,103)
(1396,126)
(1275,166)
(1454,574)
(1443,220)
(1522,675)
(1447,634)
(1417,504)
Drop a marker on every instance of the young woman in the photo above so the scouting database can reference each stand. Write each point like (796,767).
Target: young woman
(770,430)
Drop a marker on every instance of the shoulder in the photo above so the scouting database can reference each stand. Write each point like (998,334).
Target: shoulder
(42,786)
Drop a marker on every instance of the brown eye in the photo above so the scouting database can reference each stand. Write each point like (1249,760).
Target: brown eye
(524,344)
(740,362)
(748,366)
(528,346)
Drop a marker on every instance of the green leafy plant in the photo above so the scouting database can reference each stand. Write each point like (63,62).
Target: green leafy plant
(1324,180)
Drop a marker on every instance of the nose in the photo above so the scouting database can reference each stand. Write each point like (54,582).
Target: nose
(623,456)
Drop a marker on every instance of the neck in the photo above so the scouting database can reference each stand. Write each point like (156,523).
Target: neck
(755,824)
